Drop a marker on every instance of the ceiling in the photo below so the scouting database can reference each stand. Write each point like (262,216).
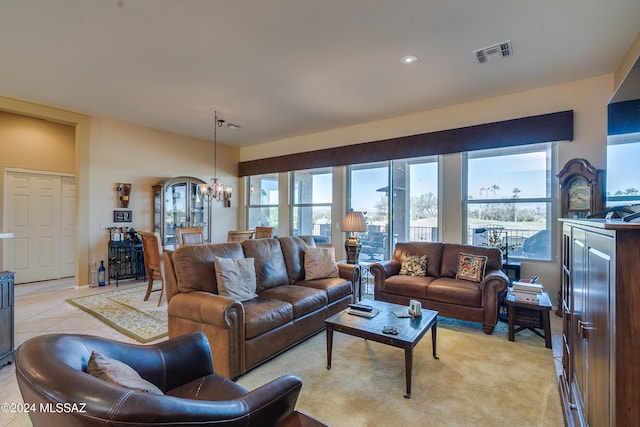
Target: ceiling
(283,68)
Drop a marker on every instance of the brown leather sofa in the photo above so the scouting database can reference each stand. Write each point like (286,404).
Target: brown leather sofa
(243,335)
(439,289)
(57,390)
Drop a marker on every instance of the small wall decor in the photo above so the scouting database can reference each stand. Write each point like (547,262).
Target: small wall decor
(122,216)
(123,191)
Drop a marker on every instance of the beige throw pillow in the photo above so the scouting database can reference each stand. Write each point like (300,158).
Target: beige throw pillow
(236,278)
(319,263)
(118,373)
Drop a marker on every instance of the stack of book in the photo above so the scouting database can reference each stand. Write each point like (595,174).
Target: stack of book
(526,291)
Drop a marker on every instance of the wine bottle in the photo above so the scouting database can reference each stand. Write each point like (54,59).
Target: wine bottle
(101,274)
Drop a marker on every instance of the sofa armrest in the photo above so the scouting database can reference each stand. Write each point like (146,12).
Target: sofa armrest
(273,401)
(494,282)
(208,308)
(381,271)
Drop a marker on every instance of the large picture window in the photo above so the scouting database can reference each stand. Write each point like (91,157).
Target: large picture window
(508,200)
(262,209)
(312,196)
(400,201)
(623,175)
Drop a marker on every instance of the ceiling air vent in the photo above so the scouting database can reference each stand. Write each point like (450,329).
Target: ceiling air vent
(495,52)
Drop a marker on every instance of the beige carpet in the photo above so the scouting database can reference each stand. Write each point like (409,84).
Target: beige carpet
(126,311)
(479,380)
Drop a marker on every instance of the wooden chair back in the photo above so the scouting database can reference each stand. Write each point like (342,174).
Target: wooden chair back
(239,235)
(153,262)
(190,236)
(263,232)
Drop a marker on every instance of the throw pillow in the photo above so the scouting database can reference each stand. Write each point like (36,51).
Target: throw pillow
(414,265)
(471,267)
(319,263)
(236,278)
(118,373)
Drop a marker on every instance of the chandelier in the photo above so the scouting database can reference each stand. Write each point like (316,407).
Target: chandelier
(216,190)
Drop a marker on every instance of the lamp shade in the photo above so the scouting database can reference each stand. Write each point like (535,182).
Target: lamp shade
(354,222)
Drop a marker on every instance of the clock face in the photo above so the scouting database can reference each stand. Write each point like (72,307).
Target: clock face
(579,193)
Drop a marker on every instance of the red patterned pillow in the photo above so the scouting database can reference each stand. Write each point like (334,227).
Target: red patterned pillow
(471,267)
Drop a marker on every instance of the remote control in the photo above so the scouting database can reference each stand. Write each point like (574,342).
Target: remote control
(361,307)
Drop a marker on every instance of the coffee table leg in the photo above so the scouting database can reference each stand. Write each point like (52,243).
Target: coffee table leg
(329,345)
(408,368)
(434,334)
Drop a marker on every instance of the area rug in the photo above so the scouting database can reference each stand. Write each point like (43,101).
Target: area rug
(125,311)
(479,380)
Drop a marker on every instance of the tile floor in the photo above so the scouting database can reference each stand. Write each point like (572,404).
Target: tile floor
(41,308)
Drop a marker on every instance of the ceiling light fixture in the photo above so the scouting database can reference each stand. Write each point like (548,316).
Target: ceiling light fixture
(408,59)
(216,190)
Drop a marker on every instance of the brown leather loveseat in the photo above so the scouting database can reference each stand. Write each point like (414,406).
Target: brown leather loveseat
(52,373)
(475,301)
(288,308)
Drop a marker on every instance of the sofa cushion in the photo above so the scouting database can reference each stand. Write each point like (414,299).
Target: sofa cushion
(236,278)
(409,286)
(471,267)
(119,373)
(269,262)
(414,265)
(432,250)
(335,287)
(304,300)
(457,292)
(264,314)
(293,252)
(320,263)
(193,265)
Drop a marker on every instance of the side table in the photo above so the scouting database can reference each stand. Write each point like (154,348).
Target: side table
(360,272)
(531,316)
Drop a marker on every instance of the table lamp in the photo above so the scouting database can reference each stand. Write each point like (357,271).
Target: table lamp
(353,223)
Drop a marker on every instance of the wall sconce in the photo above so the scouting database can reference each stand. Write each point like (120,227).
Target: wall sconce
(124,190)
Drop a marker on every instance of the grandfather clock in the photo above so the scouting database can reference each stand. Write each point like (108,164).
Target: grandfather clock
(582,189)
(582,194)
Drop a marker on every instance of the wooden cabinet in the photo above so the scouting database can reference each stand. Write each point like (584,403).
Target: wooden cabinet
(6,318)
(601,326)
(177,203)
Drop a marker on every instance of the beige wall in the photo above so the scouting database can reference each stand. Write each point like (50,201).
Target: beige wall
(107,152)
(587,98)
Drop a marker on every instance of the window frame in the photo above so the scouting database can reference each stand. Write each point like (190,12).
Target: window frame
(551,150)
(293,205)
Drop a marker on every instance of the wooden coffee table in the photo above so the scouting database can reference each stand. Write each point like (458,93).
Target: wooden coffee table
(410,331)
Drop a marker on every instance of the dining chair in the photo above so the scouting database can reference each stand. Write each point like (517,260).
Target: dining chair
(239,235)
(153,262)
(190,236)
(263,232)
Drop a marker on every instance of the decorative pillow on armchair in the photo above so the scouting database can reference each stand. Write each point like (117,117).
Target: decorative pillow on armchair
(236,278)
(320,263)
(414,265)
(471,267)
(117,372)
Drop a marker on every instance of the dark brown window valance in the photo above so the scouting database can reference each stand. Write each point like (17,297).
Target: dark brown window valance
(522,131)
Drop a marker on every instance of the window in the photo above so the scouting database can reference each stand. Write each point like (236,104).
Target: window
(623,175)
(312,194)
(262,209)
(509,199)
(412,203)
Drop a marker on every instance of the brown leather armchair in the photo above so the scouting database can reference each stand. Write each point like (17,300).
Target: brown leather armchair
(51,373)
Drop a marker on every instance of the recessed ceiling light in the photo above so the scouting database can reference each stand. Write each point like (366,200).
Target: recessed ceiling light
(409,59)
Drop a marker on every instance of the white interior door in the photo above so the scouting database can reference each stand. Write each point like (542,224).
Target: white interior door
(44,240)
